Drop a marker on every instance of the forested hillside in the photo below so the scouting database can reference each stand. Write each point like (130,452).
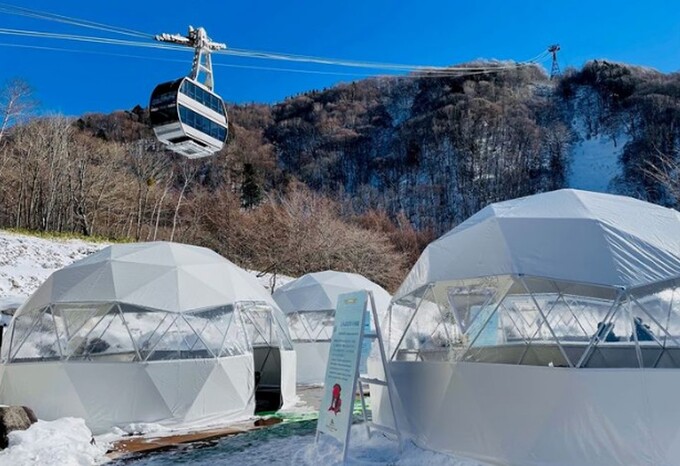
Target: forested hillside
(358,177)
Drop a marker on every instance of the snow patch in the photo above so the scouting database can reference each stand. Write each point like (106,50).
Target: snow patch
(64,442)
(27,261)
(301,450)
(270,281)
(595,160)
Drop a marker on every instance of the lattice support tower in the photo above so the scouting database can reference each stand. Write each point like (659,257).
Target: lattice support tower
(555,69)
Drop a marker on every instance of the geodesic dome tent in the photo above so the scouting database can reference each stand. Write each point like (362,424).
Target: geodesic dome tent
(309,304)
(545,330)
(149,332)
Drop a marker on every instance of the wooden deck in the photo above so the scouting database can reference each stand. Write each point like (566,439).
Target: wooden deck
(140,444)
(147,444)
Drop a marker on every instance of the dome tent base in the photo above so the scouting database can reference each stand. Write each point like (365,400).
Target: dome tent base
(519,415)
(164,392)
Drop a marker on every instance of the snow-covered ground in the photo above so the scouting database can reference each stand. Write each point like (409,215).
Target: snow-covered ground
(27,261)
(64,442)
(68,442)
(293,444)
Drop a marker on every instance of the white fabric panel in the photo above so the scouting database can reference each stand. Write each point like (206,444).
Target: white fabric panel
(238,370)
(107,401)
(228,390)
(209,292)
(129,277)
(161,293)
(566,235)
(116,394)
(180,384)
(312,359)
(288,375)
(531,416)
(25,385)
(88,282)
(319,291)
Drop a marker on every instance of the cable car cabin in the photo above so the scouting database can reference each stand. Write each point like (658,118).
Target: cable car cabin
(190,119)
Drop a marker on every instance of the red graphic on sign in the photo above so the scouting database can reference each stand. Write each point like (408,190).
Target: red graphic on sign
(336,402)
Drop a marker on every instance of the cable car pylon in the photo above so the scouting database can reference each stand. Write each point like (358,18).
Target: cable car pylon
(555,69)
(186,114)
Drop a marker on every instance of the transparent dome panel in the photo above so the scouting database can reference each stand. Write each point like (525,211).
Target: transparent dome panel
(311,325)
(263,327)
(34,336)
(123,333)
(106,338)
(220,329)
(440,321)
(537,321)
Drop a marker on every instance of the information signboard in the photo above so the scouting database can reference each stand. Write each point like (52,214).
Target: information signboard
(335,412)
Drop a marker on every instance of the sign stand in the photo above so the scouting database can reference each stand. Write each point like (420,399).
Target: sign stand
(343,372)
(387,383)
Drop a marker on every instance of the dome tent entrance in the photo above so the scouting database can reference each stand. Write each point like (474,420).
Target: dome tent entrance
(309,304)
(151,332)
(545,330)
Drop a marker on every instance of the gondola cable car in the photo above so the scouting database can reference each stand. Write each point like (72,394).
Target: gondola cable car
(186,114)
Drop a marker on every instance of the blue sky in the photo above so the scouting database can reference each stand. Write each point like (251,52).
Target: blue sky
(418,33)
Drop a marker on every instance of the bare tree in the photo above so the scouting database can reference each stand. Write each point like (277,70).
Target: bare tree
(91,185)
(188,171)
(665,170)
(158,207)
(15,104)
(148,167)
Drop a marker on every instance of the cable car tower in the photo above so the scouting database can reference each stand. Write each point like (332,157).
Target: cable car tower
(186,114)
(555,69)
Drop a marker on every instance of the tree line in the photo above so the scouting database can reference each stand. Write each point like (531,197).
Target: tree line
(358,177)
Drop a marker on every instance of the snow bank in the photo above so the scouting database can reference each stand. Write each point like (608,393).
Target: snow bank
(269,281)
(11,302)
(27,261)
(64,442)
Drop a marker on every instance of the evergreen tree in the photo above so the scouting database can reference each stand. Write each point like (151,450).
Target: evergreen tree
(251,193)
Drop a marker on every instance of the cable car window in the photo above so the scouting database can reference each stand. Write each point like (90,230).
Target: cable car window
(163,116)
(201,123)
(166,99)
(202,96)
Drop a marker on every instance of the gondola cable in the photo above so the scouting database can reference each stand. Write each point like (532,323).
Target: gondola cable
(186,114)
(36,14)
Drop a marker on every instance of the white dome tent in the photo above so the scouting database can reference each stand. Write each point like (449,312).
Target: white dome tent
(150,332)
(309,304)
(544,330)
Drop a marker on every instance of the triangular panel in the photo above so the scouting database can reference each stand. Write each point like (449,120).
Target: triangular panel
(179,382)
